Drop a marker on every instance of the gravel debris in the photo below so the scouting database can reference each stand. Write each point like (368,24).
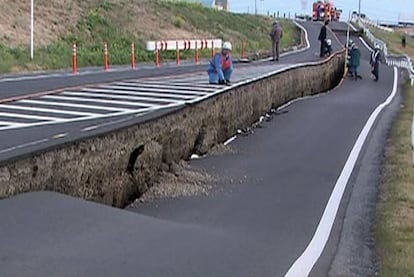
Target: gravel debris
(180,180)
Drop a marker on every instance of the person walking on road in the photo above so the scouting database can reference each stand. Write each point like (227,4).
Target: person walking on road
(403,41)
(322,39)
(375,61)
(276,35)
(354,61)
(220,68)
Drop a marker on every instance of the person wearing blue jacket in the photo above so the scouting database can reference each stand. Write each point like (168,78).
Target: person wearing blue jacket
(221,66)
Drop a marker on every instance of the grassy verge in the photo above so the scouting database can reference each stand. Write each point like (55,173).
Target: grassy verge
(112,21)
(393,41)
(394,228)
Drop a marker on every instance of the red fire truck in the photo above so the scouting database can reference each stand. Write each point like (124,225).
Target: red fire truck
(325,10)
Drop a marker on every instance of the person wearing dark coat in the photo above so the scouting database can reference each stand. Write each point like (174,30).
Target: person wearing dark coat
(276,35)
(354,61)
(322,39)
(375,62)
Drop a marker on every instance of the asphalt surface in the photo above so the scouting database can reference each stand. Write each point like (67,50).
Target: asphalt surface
(38,122)
(257,220)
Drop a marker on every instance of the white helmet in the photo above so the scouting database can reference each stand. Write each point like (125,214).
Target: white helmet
(227,46)
(329,42)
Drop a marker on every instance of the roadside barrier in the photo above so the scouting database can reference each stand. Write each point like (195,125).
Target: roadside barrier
(105,56)
(133,55)
(403,61)
(243,50)
(374,24)
(163,46)
(74,59)
(182,45)
(177,53)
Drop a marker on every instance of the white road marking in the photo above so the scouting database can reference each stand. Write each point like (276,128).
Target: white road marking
(366,44)
(34,117)
(162,95)
(59,136)
(94,127)
(105,89)
(304,264)
(23,145)
(185,86)
(9,123)
(120,112)
(352,27)
(90,128)
(115,95)
(230,140)
(199,85)
(23,108)
(61,104)
(80,99)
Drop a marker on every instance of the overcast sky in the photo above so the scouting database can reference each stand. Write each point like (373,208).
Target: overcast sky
(388,10)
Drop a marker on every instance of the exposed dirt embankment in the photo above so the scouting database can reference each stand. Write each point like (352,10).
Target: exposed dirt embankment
(103,168)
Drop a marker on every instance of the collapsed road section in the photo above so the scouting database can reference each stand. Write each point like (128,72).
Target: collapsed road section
(115,167)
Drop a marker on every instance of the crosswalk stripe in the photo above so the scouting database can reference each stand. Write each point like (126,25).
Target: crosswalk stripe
(23,108)
(150,90)
(9,123)
(184,86)
(80,99)
(82,106)
(115,96)
(196,85)
(35,117)
(143,93)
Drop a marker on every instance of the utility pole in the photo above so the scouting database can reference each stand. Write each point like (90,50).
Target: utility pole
(359,8)
(31,29)
(255,7)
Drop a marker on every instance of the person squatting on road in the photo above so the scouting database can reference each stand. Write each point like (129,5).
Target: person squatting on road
(276,35)
(354,61)
(328,47)
(221,66)
(322,39)
(375,61)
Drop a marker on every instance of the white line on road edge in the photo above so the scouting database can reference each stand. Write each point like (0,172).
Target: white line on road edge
(23,145)
(352,27)
(304,264)
(366,44)
(230,140)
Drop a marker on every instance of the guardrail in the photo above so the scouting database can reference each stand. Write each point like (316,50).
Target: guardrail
(183,44)
(374,24)
(403,61)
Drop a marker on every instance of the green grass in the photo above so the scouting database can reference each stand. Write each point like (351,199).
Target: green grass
(394,228)
(231,26)
(393,41)
(101,25)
